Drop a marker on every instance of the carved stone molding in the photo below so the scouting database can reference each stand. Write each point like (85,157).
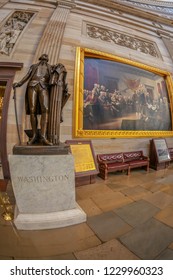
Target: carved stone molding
(167,40)
(156,6)
(66,4)
(122,39)
(163,33)
(40,3)
(11,30)
(152,2)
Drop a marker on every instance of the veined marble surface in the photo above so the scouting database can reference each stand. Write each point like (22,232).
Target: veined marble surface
(43,184)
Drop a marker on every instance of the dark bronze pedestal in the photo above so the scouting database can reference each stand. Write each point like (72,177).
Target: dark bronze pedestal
(24,149)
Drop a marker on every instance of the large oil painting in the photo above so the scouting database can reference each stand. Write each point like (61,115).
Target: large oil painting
(117,97)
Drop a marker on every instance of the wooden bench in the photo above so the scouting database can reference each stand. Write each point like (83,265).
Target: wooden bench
(136,159)
(110,163)
(121,161)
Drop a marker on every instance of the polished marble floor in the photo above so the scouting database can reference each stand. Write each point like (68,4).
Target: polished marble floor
(128,218)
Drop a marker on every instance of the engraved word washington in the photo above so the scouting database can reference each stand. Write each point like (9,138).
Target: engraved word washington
(42,179)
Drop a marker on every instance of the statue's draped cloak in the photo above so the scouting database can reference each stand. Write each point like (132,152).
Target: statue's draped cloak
(58,98)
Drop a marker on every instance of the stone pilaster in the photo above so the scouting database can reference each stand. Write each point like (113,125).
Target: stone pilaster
(53,34)
(166,38)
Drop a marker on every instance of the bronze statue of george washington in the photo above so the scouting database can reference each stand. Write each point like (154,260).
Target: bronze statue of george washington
(38,95)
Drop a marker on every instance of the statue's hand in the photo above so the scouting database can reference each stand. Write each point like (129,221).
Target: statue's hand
(16,85)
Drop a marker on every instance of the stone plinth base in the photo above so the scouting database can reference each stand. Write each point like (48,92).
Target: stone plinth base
(44,189)
(49,220)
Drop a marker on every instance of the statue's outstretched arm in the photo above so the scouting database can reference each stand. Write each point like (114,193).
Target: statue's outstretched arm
(24,79)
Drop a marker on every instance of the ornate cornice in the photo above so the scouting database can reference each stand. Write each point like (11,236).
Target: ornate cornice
(154,6)
(41,3)
(45,3)
(66,4)
(149,2)
(123,6)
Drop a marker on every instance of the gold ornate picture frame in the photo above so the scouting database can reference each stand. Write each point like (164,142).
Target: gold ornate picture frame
(119,98)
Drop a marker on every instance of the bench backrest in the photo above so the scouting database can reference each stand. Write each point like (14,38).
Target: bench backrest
(108,158)
(137,155)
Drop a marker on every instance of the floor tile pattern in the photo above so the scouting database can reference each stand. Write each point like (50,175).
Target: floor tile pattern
(128,217)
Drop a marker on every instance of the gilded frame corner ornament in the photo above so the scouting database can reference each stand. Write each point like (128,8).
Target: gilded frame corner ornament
(83,130)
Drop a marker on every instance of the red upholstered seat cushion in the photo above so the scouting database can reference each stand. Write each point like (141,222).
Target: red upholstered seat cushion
(138,163)
(117,165)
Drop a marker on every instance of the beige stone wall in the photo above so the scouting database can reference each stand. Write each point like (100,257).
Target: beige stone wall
(75,35)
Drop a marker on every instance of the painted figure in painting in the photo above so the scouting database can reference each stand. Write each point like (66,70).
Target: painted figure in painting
(124,98)
(46,89)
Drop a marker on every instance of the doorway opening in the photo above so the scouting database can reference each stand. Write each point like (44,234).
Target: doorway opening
(7,73)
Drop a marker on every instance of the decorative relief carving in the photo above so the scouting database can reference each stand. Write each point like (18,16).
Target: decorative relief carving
(122,40)
(11,30)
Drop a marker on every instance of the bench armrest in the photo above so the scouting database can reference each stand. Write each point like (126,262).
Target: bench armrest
(99,160)
(103,164)
(145,157)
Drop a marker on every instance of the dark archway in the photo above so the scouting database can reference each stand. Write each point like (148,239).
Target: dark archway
(7,73)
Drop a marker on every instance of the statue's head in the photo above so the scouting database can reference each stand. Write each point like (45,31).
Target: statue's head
(44,57)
